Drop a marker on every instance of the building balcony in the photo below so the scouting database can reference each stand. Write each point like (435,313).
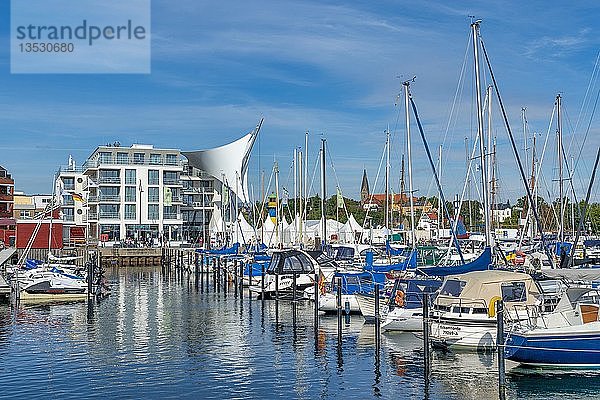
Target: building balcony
(130,216)
(170,216)
(153,199)
(92,199)
(69,202)
(172,182)
(92,164)
(69,187)
(111,180)
(109,198)
(6,197)
(92,216)
(109,215)
(68,218)
(177,199)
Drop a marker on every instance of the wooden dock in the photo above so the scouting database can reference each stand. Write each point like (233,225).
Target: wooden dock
(144,257)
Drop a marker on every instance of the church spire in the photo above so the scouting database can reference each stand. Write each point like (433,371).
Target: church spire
(364,188)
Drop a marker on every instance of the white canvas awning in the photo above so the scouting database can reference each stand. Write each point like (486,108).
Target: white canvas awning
(228,163)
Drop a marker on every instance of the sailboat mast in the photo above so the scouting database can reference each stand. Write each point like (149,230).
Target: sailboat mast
(387,178)
(561,232)
(300,202)
(482,148)
(323,195)
(439,213)
(409,154)
(295,191)
(533,185)
(52,200)
(277,219)
(402,188)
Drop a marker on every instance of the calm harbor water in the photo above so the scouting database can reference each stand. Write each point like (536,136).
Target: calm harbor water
(159,336)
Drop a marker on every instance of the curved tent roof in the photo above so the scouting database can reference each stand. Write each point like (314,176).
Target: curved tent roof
(228,163)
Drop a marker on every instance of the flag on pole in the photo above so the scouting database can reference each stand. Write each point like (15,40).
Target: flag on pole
(168,197)
(77,197)
(340,199)
(286,197)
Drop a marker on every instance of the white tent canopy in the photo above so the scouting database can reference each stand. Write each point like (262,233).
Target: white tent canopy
(228,163)
(243,231)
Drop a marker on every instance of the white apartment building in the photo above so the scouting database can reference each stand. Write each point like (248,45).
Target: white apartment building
(134,193)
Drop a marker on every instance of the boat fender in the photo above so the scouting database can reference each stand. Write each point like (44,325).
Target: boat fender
(492,306)
(399,300)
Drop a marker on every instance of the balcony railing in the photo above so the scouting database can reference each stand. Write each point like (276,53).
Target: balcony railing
(69,187)
(130,161)
(110,198)
(68,218)
(170,216)
(130,216)
(92,199)
(153,199)
(109,215)
(176,199)
(153,216)
(171,181)
(109,180)
(92,216)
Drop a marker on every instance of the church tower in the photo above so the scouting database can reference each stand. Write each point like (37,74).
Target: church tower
(364,189)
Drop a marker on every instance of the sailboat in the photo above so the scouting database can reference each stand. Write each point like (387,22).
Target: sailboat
(46,282)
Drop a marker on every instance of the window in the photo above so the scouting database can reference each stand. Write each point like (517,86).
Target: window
(138,158)
(514,291)
(171,159)
(130,193)
(153,178)
(170,178)
(130,210)
(155,159)
(122,158)
(452,287)
(130,177)
(109,193)
(68,183)
(153,195)
(104,157)
(153,211)
(169,212)
(110,232)
(109,176)
(68,214)
(109,211)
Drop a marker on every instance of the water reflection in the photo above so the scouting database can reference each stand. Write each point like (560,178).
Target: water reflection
(162,335)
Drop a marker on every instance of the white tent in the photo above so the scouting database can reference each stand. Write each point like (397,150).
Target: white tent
(243,232)
(350,230)
(216,221)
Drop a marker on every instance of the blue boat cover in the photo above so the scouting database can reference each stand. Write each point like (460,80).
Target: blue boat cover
(409,263)
(481,263)
(558,246)
(32,263)
(358,282)
(222,251)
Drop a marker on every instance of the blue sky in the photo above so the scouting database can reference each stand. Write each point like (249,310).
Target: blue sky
(330,68)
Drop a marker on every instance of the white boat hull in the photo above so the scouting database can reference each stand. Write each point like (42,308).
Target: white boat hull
(404,320)
(328,303)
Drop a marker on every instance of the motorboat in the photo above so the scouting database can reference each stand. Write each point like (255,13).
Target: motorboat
(568,337)
(464,311)
(406,306)
(49,285)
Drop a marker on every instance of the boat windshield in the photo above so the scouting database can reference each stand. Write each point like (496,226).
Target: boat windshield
(452,287)
(514,291)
